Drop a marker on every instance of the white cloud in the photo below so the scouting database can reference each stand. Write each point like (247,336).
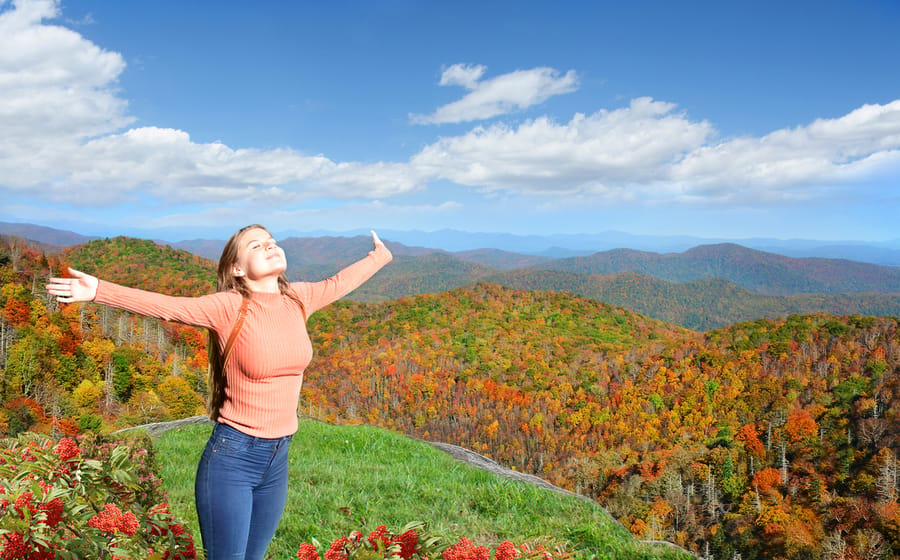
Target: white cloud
(57,88)
(620,147)
(464,75)
(209,218)
(498,96)
(791,164)
(62,120)
(47,215)
(166,163)
(646,152)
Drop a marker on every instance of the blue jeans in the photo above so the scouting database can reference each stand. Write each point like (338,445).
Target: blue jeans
(241,489)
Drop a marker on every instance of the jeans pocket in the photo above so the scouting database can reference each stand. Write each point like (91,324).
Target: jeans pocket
(230,444)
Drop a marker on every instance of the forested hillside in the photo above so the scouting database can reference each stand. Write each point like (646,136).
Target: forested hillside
(141,263)
(700,304)
(769,438)
(759,271)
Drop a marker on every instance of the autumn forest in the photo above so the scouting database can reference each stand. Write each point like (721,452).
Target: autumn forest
(770,438)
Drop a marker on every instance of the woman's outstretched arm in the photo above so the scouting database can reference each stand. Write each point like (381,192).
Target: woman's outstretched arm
(80,287)
(316,295)
(214,311)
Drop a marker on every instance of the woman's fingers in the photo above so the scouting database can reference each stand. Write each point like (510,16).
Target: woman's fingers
(58,285)
(376,239)
(78,287)
(61,288)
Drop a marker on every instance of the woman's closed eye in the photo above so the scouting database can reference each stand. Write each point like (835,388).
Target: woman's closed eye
(260,245)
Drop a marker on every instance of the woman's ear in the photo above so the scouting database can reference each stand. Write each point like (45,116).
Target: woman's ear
(236,270)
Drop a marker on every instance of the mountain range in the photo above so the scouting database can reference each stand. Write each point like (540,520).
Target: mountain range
(704,287)
(885,253)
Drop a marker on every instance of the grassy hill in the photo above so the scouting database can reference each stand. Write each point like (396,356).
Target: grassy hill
(345,478)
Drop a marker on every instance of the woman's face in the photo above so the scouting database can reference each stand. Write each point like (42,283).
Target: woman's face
(259,256)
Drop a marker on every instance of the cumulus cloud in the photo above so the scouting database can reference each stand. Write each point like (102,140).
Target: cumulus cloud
(620,147)
(778,165)
(62,119)
(649,152)
(168,163)
(497,96)
(56,89)
(464,75)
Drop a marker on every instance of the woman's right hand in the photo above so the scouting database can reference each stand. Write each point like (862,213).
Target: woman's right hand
(79,287)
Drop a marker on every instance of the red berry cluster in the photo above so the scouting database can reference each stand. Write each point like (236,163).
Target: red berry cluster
(307,552)
(50,513)
(379,540)
(506,551)
(14,547)
(113,520)
(466,550)
(67,449)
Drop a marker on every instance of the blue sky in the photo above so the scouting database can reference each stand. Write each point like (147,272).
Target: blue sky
(177,120)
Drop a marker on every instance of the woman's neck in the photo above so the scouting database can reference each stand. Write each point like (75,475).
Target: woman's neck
(268,285)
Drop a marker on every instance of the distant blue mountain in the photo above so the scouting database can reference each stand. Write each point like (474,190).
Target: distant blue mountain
(43,235)
(565,246)
(549,246)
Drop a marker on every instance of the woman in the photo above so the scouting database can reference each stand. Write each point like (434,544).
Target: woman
(241,484)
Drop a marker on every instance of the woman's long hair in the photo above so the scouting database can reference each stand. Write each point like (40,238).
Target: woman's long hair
(227,281)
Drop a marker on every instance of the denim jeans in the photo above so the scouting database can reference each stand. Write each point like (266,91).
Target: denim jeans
(241,489)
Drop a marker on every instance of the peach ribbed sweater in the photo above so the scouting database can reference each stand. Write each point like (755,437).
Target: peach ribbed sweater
(265,371)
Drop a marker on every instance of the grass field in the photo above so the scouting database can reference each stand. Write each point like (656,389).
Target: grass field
(345,478)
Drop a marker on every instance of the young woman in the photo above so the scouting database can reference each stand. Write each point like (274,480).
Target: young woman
(241,484)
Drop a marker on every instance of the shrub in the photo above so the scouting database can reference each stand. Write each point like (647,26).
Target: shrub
(98,499)
(413,542)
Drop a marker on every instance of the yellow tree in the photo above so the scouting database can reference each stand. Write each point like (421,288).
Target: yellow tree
(180,400)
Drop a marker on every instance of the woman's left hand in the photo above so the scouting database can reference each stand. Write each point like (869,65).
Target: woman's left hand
(375,239)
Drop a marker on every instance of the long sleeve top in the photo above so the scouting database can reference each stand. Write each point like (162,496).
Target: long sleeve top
(264,373)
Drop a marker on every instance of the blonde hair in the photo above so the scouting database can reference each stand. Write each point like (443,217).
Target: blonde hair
(227,281)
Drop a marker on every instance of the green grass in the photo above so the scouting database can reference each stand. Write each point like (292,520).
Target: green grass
(345,478)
